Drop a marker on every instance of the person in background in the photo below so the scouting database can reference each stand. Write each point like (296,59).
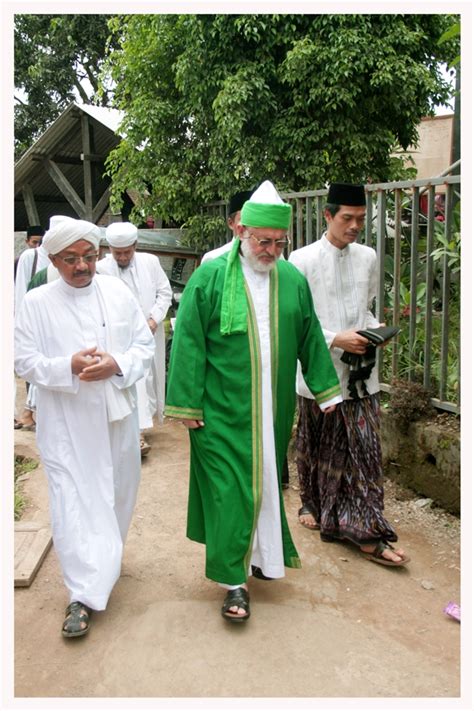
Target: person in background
(234,208)
(339,457)
(243,321)
(27,264)
(34,235)
(145,278)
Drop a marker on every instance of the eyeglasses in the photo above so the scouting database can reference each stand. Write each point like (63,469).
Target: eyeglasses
(87,258)
(265,242)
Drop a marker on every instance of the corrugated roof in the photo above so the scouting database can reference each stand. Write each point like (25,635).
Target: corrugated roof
(62,142)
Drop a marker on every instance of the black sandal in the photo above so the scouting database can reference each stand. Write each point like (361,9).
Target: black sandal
(377,555)
(76,614)
(236,598)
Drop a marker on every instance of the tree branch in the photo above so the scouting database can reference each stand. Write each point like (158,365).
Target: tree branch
(92,76)
(82,92)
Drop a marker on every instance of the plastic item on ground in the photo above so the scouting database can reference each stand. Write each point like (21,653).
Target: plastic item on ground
(453,610)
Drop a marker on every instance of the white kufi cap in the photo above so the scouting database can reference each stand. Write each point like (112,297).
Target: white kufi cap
(121,234)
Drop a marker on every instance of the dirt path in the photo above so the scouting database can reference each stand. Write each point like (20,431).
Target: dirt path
(339,627)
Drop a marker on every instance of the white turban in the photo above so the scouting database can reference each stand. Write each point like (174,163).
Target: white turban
(121,234)
(64,231)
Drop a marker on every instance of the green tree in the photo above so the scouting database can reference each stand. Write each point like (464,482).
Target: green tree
(57,60)
(216,103)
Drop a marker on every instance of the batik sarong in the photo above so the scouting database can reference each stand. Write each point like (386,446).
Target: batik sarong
(339,463)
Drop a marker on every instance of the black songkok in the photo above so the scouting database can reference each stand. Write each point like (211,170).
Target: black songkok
(34,230)
(346,194)
(236,202)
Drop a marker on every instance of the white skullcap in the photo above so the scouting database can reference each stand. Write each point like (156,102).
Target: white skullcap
(64,231)
(121,234)
(266,194)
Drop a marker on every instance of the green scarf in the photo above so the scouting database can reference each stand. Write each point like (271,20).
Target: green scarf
(234,298)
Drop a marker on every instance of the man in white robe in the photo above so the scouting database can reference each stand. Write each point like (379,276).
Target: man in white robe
(234,209)
(339,458)
(34,236)
(29,263)
(84,342)
(148,282)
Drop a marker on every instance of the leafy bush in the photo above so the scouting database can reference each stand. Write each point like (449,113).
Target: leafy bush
(411,361)
(204,232)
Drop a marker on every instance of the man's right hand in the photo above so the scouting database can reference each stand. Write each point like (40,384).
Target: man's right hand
(350,341)
(82,359)
(193,424)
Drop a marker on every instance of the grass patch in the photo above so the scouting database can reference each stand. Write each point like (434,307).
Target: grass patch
(23,465)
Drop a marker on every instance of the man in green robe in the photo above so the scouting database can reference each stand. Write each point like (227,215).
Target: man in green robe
(244,320)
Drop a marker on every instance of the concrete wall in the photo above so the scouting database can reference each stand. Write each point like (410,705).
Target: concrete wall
(427,459)
(433,154)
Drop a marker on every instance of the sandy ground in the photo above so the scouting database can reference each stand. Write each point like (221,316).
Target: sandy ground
(339,627)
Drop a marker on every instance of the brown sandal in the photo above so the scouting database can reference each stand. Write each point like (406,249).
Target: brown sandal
(377,555)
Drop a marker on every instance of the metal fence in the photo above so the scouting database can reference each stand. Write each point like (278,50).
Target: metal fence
(414,227)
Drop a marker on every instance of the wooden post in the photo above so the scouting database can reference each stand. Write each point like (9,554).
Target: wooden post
(87,167)
(30,204)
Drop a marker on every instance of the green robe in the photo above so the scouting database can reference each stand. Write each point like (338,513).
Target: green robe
(217,379)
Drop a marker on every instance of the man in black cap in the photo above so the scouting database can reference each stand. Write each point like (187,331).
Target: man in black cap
(233,211)
(34,235)
(30,264)
(339,455)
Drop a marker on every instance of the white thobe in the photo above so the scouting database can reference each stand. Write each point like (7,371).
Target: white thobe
(214,253)
(25,272)
(30,404)
(26,269)
(267,551)
(148,282)
(92,463)
(343,285)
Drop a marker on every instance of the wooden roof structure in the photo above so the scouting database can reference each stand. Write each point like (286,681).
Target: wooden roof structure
(63,171)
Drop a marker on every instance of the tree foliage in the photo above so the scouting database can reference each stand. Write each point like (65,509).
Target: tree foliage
(57,60)
(217,103)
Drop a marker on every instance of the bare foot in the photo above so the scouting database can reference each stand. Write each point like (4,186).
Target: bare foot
(26,418)
(308,521)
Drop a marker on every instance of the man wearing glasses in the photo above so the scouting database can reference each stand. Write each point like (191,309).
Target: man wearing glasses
(243,321)
(84,342)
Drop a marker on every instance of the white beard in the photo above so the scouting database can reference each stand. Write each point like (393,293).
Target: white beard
(253,260)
